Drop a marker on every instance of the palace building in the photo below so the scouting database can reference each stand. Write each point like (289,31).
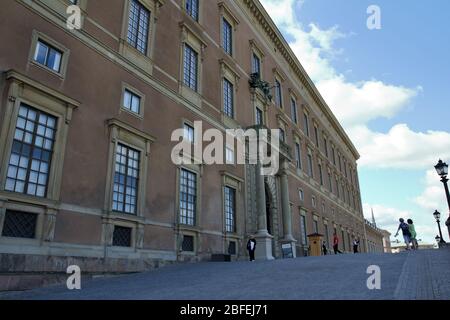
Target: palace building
(86,118)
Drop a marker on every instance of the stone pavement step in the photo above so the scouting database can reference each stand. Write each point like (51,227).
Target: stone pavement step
(415,275)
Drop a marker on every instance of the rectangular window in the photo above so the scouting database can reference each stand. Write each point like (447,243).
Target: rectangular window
(48,56)
(334,155)
(327,236)
(316,226)
(294,111)
(330,182)
(189,133)
(259,117)
(282,135)
(228,97)
(227,37)
(31,154)
(316,133)
(19,224)
(343,239)
(256,64)
(278,94)
(192,8)
(188,197)
(298,156)
(230,209)
(325,146)
(132,101)
(320,174)
(310,166)
(313,201)
(190,67)
(122,236)
(229,155)
(126,180)
(337,187)
(187,244)
(303,230)
(138,26)
(306,123)
(301,195)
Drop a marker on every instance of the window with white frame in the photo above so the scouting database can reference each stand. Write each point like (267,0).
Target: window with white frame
(278,94)
(316,135)
(190,67)
(259,116)
(316,226)
(189,133)
(192,8)
(138,26)
(126,180)
(310,166)
(298,156)
(306,124)
(188,197)
(48,56)
(228,98)
(132,101)
(301,195)
(227,36)
(229,155)
(320,174)
(256,64)
(31,153)
(294,111)
(282,135)
(230,209)
(303,228)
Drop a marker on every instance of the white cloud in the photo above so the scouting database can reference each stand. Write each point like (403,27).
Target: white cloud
(433,196)
(355,104)
(400,147)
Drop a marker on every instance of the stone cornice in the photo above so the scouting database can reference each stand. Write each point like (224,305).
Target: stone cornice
(263,18)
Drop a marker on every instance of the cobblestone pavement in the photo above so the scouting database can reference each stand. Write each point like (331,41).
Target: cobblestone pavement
(409,275)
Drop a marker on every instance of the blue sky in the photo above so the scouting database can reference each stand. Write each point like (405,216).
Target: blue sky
(390,88)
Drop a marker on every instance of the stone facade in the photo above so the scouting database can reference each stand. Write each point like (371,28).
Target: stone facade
(98,66)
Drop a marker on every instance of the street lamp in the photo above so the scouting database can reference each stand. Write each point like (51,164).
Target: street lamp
(438,239)
(437,216)
(442,171)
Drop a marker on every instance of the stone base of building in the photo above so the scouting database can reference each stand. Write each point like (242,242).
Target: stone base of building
(24,271)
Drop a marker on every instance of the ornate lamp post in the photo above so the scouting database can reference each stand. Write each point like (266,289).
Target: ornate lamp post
(442,171)
(437,216)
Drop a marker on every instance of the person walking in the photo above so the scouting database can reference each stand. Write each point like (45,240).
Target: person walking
(412,231)
(336,244)
(405,231)
(355,245)
(251,246)
(324,248)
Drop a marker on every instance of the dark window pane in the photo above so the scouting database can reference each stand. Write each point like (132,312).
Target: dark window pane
(188,243)
(19,224)
(122,237)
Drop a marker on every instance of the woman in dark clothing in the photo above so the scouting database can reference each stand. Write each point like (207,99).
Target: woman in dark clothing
(251,246)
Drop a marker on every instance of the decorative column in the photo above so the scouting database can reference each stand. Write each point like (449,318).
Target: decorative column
(286,208)
(263,238)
